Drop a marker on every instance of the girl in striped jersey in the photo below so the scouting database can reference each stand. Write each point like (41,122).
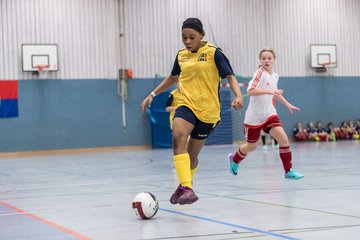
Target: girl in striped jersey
(261,115)
(198,69)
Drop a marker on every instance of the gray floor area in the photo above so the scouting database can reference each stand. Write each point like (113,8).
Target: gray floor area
(88,196)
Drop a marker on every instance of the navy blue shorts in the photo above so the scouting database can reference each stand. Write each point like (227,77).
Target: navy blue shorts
(201,130)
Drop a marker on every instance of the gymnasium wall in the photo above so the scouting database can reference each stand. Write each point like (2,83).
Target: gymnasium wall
(86,32)
(88,113)
(78,106)
(75,114)
(320,99)
(241,28)
(97,37)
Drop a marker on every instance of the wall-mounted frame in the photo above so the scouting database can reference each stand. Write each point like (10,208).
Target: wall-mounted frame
(323,55)
(34,55)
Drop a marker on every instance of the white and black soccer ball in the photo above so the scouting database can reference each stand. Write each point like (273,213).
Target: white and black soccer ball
(145,205)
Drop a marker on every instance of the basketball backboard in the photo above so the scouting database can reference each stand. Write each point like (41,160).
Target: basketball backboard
(34,55)
(323,54)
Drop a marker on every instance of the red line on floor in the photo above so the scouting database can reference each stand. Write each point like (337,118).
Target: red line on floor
(47,222)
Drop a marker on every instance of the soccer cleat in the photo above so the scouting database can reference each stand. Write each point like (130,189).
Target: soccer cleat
(188,196)
(176,195)
(293,175)
(233,165)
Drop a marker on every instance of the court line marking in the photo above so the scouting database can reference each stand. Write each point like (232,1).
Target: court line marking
(228,224)
(298,230)
(286,206)
(244,235)
(197,236)
(47,222)
(269,203)
(73,151)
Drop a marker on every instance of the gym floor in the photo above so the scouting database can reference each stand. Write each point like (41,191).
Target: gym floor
(89,195)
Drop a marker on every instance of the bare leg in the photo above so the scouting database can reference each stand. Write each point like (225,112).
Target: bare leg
(248,147)
(180,133)
(279,135)
(194,148)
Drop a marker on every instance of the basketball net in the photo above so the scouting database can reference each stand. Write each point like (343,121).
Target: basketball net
(326,67)
(42,70)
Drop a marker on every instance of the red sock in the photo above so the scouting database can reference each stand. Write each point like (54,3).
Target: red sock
(239,156)
(285,155)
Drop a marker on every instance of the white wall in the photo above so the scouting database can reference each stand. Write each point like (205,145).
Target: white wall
(241,28)
(86,32)
(96,37)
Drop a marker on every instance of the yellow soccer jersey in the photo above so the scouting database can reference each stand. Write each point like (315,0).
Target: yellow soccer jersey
(199,80)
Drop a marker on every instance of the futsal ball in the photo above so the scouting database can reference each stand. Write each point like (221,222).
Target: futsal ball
(145,205)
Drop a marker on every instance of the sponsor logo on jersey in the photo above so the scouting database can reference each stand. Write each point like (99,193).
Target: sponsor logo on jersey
(202,57)
(184,59)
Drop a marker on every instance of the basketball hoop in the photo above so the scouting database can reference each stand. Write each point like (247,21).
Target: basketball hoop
(325,66)
(42,70)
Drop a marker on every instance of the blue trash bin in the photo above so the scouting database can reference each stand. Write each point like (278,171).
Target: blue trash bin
(160,125)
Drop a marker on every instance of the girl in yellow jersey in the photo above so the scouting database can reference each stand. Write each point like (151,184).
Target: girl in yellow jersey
(198,69)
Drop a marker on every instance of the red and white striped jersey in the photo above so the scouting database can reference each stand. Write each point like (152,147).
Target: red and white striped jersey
(261,107)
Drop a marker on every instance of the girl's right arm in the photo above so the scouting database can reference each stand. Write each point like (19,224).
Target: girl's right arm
(261,91)
(165,84)
(253,89)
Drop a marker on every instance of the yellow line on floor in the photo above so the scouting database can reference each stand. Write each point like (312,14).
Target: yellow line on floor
(72,151)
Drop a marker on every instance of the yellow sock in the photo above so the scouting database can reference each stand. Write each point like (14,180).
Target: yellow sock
(182,166)
(193,171)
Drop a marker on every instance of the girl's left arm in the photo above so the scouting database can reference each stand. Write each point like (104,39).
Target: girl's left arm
(282,99)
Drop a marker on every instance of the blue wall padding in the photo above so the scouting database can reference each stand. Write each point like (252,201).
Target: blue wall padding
(63,114)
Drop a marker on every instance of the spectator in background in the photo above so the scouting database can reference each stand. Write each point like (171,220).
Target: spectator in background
(312,132)
(346,130)
(300,133)
(354,133)
(357,130)
(357,126)
(321,132)
(332,131)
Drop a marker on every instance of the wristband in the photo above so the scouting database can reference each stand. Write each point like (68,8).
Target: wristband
(153,94)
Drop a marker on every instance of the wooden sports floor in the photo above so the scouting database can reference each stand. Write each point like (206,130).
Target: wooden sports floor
(89,195)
